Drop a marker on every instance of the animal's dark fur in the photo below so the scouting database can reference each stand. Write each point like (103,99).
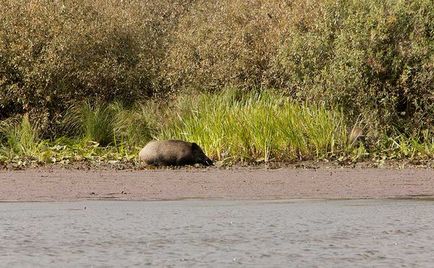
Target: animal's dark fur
(173,153)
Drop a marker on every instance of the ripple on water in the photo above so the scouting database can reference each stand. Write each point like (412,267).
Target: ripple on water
(217,233)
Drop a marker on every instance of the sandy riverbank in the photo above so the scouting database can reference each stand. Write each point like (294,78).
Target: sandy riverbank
(57,184)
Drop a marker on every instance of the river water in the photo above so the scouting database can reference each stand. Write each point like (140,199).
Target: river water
(207,233)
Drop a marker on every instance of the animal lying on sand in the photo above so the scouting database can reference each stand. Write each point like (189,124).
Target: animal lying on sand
(173,153)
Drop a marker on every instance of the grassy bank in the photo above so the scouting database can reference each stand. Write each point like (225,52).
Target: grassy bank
(231,127)
(96,79)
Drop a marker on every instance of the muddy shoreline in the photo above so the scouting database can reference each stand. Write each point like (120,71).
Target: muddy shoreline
(63,184)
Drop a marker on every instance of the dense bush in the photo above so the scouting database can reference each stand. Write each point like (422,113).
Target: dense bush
(372,58)
(53,54)
(221,43)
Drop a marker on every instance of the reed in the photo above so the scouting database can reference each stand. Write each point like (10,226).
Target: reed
(258,126)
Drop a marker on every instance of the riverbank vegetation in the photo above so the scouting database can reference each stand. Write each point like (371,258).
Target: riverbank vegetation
(231,127)
(250,81)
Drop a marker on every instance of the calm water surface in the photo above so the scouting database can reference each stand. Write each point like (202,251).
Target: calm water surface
(199,233)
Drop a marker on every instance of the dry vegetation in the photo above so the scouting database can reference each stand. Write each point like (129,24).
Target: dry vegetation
(374,59)
(56,53)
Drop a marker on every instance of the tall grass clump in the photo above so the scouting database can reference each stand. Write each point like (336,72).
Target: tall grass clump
(137,125)
(91,122)
(112,124)
(19,139)
(258,126)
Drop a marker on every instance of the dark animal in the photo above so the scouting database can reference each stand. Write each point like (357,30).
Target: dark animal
(173,153)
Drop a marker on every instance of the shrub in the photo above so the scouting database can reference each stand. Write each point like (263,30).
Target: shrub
(55,54)
(374,59)
(224,43)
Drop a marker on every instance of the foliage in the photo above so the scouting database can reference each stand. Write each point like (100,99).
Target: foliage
(110,124)
(19,139)
(95,80)
(57,54)
(258,126)
(232,127)
(373,59)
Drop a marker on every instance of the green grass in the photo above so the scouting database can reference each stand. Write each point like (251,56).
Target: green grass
(20,140)
(231,127)
(92,122)
(111,124)
(402,147)
(257,127)
(135,126)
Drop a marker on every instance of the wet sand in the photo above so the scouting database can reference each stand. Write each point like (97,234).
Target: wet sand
(57,184)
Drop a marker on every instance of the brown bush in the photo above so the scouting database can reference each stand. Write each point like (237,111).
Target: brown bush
(54,53)
(374,59)
(223,43)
